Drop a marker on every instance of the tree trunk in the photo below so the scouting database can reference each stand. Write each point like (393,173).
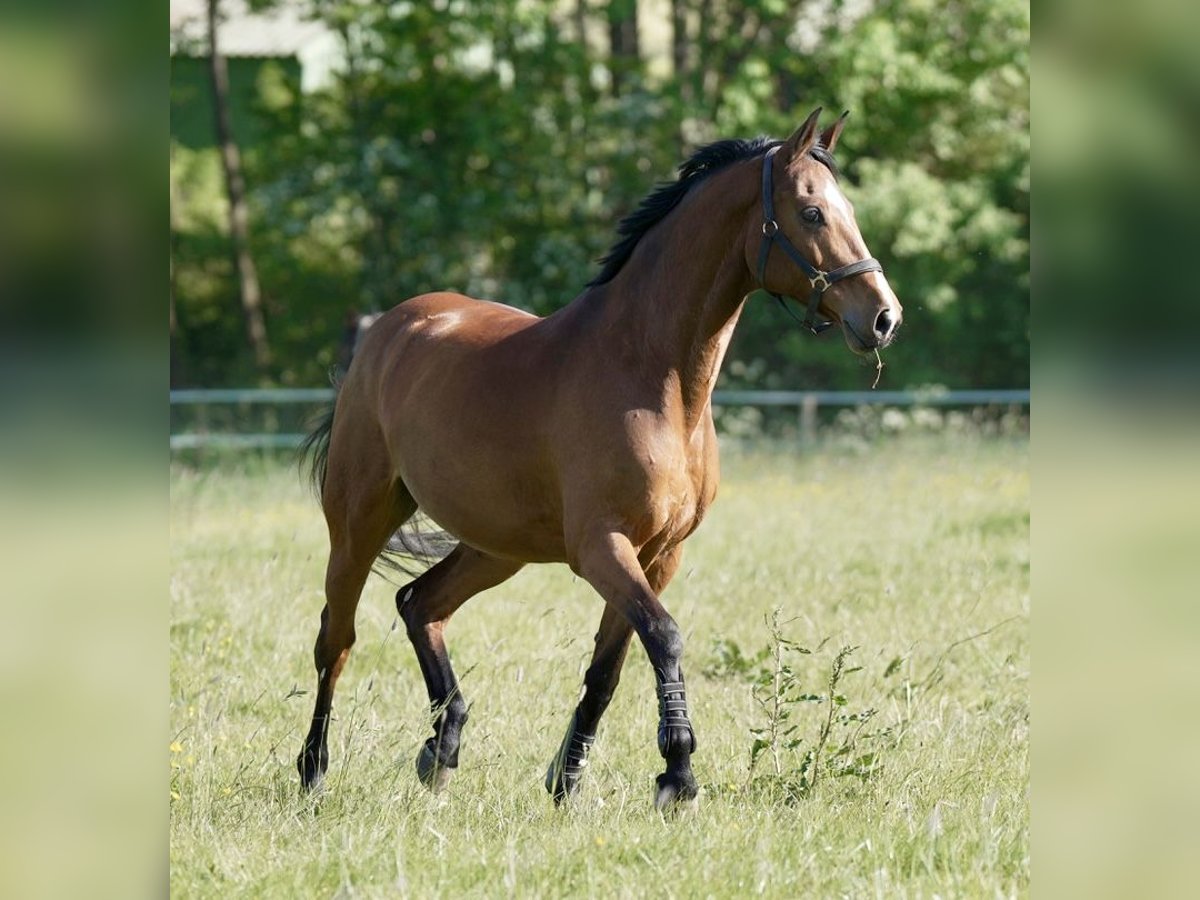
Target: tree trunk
(679,43)
(682,70)
(624,52)
(174,349)
(701,76)
(580,16)
(235,184)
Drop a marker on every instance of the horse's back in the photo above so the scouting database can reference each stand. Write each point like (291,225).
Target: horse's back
(439,349)
(447,318)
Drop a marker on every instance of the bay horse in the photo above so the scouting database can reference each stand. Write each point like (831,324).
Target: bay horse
(583,437)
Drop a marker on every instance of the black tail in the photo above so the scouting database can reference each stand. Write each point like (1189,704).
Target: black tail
(415,546)
(314,450)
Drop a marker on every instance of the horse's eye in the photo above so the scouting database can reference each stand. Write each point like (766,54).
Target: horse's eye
(812,215)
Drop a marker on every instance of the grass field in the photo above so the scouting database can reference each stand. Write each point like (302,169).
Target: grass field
(914,551)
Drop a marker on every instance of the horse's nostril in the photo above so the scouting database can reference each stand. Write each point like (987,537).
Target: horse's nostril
(884,323)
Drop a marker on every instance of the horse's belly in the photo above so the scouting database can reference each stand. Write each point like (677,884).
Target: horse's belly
(492,506)
(510,532)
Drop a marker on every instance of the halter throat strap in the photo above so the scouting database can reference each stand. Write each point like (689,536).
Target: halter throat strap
(820,281)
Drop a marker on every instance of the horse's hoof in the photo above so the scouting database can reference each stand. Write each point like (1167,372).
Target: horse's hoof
(676,796)
(310,781)
(432,775)
(558,785)
(312,773)
(313,794)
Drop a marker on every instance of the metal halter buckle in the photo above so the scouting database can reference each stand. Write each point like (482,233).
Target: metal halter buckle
(820,282)
(770,227)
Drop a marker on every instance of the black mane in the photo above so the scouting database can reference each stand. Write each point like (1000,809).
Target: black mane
(666,196)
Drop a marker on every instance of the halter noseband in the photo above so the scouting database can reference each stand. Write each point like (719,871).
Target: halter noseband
(821,281)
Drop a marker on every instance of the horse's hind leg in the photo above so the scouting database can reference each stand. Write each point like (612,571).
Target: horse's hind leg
(426,605)
(362,514)
(600,682)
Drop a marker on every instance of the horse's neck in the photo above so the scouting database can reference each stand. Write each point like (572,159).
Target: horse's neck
(682,290)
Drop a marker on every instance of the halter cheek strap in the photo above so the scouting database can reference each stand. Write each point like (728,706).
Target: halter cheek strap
(821,281)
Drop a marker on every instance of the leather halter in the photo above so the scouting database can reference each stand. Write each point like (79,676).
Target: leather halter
(821,281)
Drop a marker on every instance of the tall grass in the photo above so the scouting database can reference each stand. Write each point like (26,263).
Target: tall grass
(915,552)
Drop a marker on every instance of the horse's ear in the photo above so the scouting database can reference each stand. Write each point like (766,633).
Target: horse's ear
(803,137)
(829,137)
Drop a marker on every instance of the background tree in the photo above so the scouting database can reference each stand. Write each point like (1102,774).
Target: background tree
(624,53)
(235,187)
(481,146)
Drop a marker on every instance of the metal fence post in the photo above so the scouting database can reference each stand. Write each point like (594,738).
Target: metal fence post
(808,419)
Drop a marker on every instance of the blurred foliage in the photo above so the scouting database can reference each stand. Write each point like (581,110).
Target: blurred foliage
(482,147)
(256,84)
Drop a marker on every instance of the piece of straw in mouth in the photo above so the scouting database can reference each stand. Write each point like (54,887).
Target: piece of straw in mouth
(878,370)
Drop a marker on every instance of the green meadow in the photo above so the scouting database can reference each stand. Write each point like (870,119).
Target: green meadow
(911,550)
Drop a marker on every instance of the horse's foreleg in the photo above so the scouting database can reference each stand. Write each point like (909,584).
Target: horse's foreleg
(610,564)
(426,605)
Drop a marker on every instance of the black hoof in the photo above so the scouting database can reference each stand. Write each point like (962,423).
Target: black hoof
(311,767)
(559,784)
(675,793)
(433,774)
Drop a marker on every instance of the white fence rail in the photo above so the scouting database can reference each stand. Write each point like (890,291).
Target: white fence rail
(805,402)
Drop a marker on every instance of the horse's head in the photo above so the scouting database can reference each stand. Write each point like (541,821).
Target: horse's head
(821,256)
